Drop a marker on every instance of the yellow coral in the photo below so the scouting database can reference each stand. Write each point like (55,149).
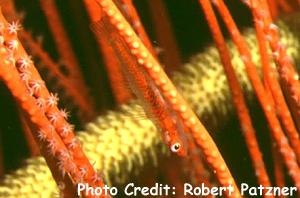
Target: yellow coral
(120,141)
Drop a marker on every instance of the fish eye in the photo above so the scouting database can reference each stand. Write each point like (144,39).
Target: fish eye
(175,147)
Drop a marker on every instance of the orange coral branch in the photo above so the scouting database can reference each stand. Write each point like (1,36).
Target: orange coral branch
(23,80)
(136,24)
(281,106)
(237,96)
(285,66)
(273,7)
(66,83)
(285,150)
(164,35)
(27,130)
(65,49)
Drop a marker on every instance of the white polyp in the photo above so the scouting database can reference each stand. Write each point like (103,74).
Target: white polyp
(133,51)
(52,146)
(117,18)
(156,69)
(192,120)
(13,44)
(144,54)
(120,26)
(41,135)
(173,101)
(183,108)
(268,107)
(14,27)
(268,37)
(215,2)
(110,12)
(135,44)
(274,27)
(52,100)
(66,129)
(141,61)
(222,168)
(259,22)
(64,113)
(165,88)
(173,93)
(73,144)
(149,65)
(245,58)
(275,55)
(161,81)
(53,117)
(247,2)
(136,24)
(214,154)
(61,185)
(24,62)
(128,32)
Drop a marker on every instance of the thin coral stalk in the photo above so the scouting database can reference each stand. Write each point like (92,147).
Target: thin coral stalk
(278,168)
(136,23)
(120,90)
(37,50)
(27,129)
(165,39)
(237,95)
(285,6)
(65,50)
(153,68)
(65,82)
(273,7)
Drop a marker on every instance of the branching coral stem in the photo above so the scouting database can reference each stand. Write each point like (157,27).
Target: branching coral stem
(37,50)
(285,66)
(237,95)
(65,50)
(11,77)
(52,126)
(285,150)
(273,84)
(153,68)
(166,39)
